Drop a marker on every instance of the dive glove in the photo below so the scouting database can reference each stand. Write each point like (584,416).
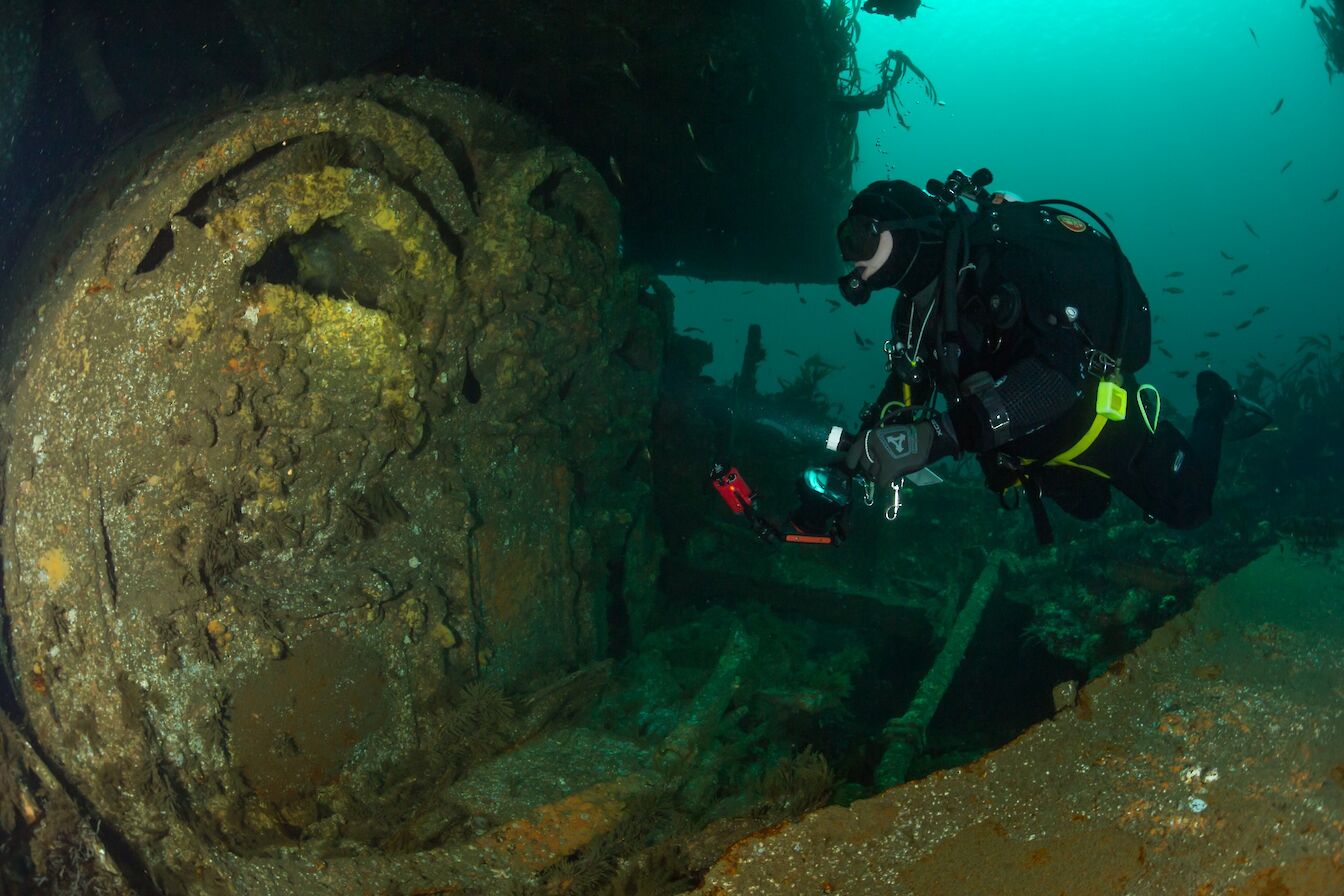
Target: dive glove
(884,454)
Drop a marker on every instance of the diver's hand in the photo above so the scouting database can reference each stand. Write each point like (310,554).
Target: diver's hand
(886,453)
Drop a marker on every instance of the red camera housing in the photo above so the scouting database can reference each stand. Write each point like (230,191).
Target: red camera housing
(733,489)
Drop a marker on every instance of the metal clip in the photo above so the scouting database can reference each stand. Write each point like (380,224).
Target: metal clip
(895,507)
(890,348)
(1100,364)
(868,490)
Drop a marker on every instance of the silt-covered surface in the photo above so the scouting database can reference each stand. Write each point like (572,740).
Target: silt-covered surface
(1211,761)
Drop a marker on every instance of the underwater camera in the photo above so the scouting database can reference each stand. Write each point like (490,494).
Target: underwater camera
(823,500)
(958,184)
(823,497)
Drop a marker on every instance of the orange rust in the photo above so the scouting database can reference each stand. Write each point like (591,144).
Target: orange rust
(560,828)
(99,285)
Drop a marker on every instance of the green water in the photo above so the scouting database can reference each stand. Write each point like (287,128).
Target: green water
(1158,114)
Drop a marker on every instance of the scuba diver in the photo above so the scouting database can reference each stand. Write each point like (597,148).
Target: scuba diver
(1030,324)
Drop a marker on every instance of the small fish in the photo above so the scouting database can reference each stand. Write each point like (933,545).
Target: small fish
(1243,325)
(1211,334)
(1286,165)
(690,130)
(1109,215)
(615,170)
(1261,310)
(712,65)
(694,329)
(1229,292)
(625,69)
(1173,274)
(858,338)
(1174,290)
(802,301)
(1253,37)
(1164,351)
(1203,354)
(1225,255)
(789,351)
(1277,106)
(1239,268)
(1250,229)
(1331,197)
(1180,374)
(833,302)
(706,164)
(751,94)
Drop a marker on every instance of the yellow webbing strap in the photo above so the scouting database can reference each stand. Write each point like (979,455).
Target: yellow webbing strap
(1066,458)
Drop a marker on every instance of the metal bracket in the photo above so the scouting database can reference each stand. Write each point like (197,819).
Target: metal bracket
(1100,364)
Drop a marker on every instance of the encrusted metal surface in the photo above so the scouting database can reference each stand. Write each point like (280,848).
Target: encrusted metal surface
(1210,762)
(338,405)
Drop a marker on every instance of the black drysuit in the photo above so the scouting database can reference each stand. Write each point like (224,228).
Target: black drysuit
(1042,296)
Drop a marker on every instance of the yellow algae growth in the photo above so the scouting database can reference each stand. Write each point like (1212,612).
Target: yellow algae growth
(342,335)
(192,325)
(446,637)
(54,565)
(386,219)
(404,225)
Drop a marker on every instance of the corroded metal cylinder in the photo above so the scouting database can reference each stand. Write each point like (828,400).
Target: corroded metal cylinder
(340,403)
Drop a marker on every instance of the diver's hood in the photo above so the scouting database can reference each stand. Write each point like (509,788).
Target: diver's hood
(914,220)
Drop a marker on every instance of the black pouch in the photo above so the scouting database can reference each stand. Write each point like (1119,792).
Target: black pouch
(1077,492)
(1167,481)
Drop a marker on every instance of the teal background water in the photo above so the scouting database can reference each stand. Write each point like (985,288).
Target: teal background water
(1156,113)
